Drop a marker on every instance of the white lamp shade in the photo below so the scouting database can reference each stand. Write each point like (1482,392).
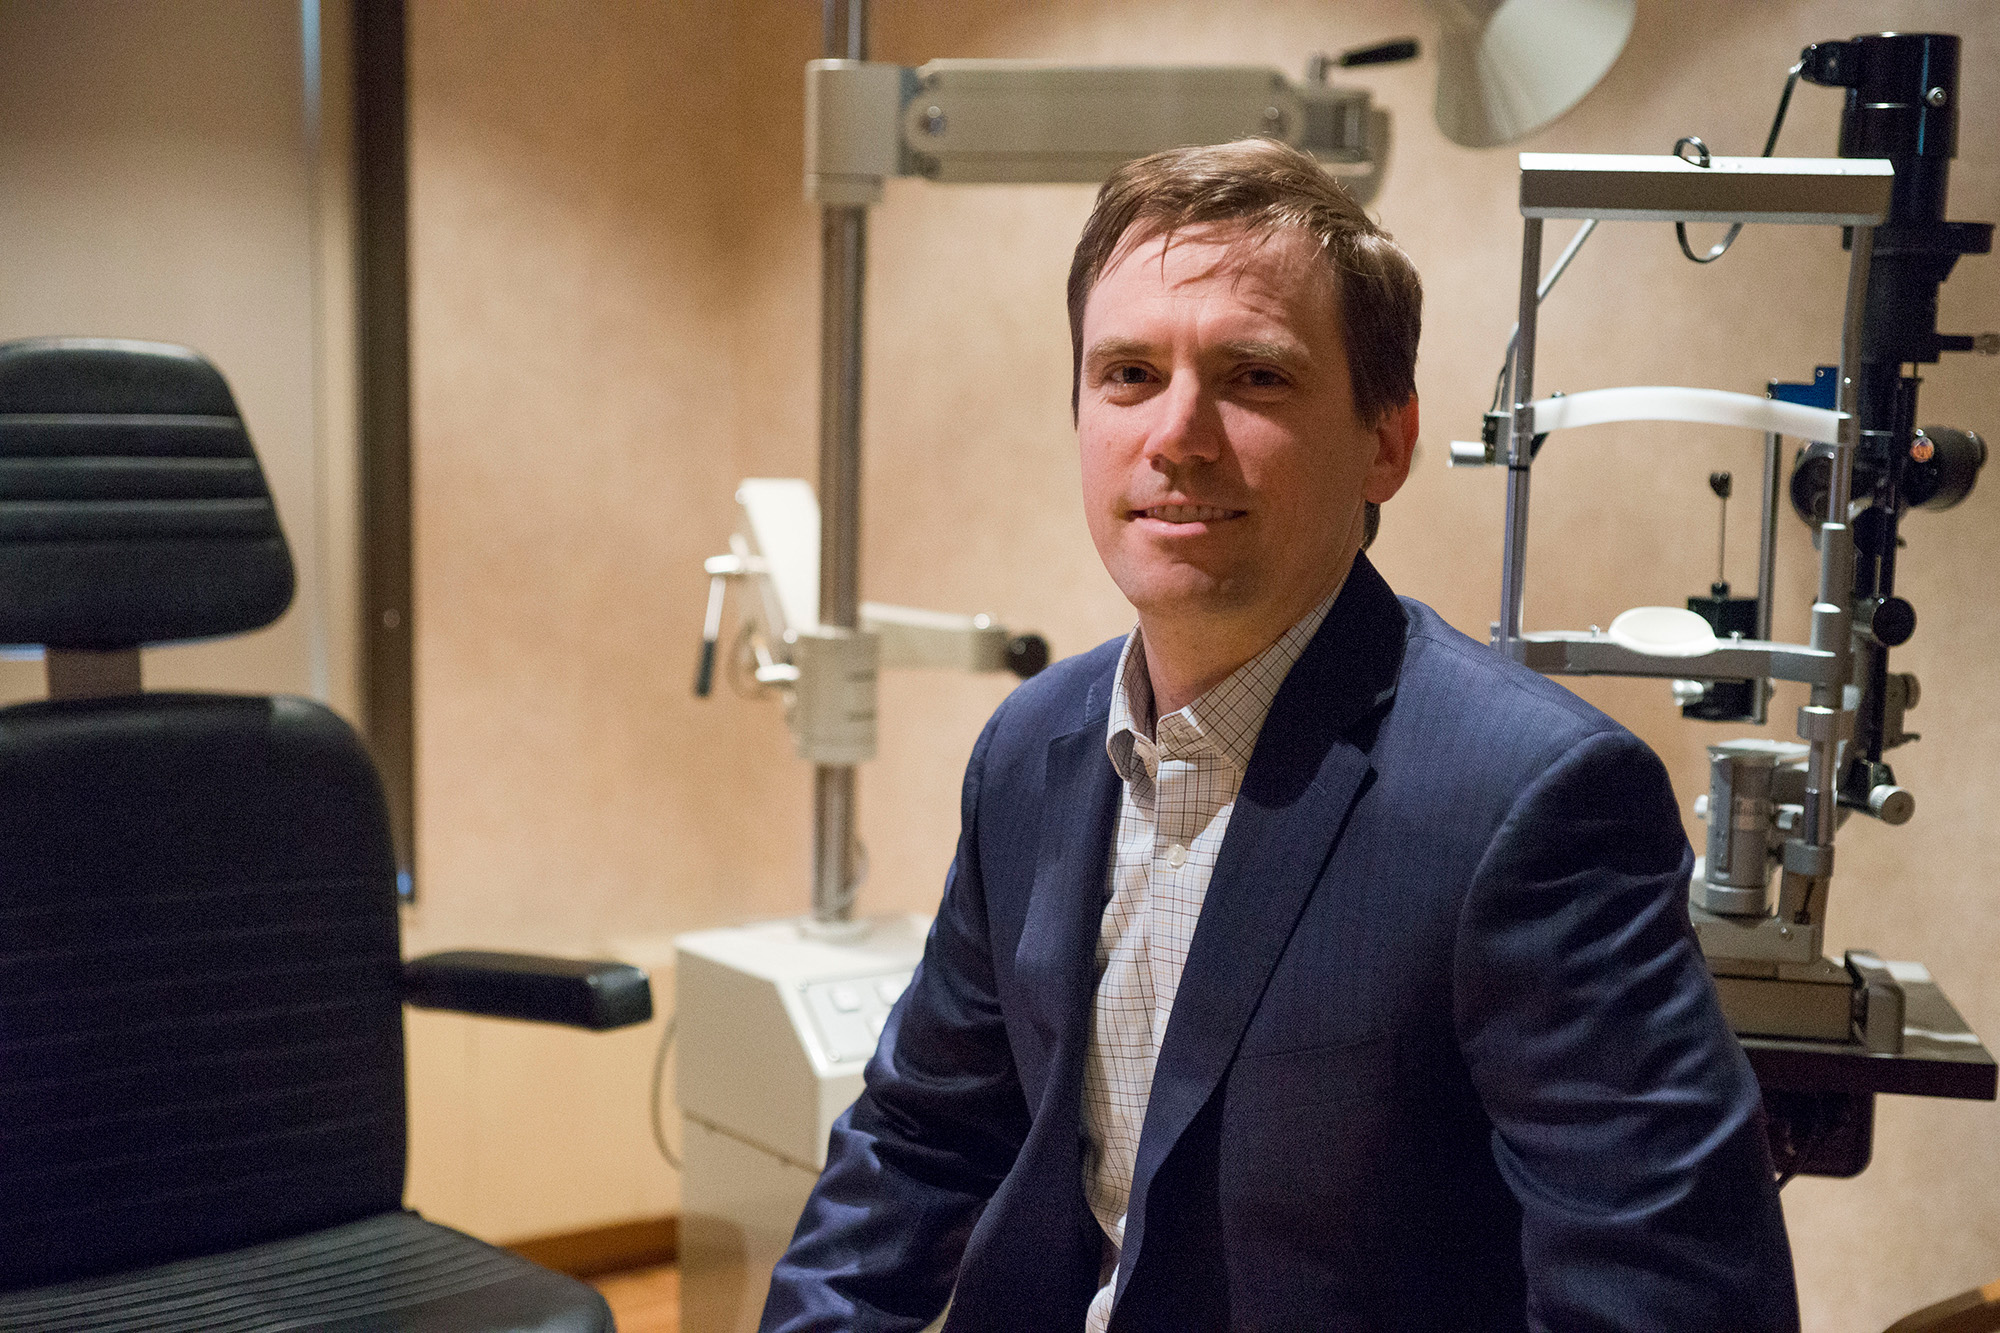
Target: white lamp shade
(1508,67)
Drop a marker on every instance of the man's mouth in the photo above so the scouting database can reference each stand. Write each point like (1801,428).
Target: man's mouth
(1187,513)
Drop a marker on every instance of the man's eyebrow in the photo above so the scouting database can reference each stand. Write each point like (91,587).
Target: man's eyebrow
(1116,349)
(1290,355)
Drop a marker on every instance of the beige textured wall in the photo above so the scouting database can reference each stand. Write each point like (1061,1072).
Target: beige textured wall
(160,178)
(616,306)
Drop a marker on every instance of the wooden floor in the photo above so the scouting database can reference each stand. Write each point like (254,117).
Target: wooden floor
(645,1300)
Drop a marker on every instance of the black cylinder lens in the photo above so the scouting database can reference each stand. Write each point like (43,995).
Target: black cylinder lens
(1944,464)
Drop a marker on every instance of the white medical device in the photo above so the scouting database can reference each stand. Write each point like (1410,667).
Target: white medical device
(1824,1037)
(776,1025)
(826,674)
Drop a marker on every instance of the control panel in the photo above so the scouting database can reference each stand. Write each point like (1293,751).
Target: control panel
(848,1015)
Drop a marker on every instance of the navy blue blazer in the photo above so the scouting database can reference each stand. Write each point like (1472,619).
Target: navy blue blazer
(1445,1054)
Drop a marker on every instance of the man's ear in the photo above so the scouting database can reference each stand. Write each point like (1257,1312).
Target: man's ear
(1395,443)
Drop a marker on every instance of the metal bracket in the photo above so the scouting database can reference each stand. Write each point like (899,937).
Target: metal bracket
(1591,653)
(80,673)
(1761,941)
(1031,121)
(1831,191)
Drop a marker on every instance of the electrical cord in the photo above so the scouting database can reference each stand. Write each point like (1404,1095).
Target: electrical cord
(1803,1155)
(1821,1126)
(659,1074)
(1720,248)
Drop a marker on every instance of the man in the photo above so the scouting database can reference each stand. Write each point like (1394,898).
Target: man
(1303,965)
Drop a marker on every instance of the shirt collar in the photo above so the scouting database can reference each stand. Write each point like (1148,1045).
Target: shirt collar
(1226,720)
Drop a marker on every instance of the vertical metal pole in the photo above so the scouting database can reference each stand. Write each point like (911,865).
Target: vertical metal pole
(1520,439)
(843,256)
(857,30)
(1840,489)
(1833,613)
(1767,564)
(382,315)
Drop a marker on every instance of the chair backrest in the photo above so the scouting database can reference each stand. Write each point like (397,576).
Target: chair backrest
(200,1014)
(132,509)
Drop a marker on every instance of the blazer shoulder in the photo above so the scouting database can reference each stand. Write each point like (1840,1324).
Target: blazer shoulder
(1449,675)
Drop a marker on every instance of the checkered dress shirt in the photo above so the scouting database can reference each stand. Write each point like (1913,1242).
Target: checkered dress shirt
(1180,784)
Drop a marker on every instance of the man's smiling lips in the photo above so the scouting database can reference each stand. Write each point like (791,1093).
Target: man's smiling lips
(1181,515)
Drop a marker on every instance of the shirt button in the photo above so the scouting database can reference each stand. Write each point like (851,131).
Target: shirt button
(1177,856)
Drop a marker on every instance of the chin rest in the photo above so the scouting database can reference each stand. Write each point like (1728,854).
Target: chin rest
(202,1106)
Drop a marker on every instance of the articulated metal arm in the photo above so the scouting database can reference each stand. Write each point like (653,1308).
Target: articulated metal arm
(1030,121)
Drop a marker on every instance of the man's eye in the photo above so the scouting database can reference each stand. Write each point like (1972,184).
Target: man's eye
(1130,375)
(1263,377)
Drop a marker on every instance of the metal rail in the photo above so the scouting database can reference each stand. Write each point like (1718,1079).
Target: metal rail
(843,265)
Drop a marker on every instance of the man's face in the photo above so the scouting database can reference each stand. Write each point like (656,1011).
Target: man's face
(1224,468)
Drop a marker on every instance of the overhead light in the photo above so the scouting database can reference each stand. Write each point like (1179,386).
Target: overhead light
(1508,67)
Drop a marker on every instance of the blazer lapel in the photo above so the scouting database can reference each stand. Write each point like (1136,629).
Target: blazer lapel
(1050,1270)
(1302,780)
(1057,951)
(1043,1265)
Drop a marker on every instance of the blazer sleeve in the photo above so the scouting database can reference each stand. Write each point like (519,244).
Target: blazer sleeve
(1626,1119)
(911,1165)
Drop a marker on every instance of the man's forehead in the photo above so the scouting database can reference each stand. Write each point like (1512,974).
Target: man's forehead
(1275,276)
(1285,255)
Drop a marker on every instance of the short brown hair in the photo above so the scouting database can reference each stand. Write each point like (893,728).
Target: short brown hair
(1262,186)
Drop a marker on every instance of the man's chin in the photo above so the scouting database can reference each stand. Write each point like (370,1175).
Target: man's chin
(1184,594)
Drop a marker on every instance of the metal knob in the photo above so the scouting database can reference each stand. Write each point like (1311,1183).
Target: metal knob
(1912,691)
(1891,805)
(1889,621)
(1027,654)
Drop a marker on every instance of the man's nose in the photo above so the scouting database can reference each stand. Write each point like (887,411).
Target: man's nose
(1186,428)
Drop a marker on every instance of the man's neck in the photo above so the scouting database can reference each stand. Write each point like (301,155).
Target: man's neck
(1177,681)
(1189,655)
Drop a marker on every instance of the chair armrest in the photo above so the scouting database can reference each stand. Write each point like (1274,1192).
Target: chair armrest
(576,992)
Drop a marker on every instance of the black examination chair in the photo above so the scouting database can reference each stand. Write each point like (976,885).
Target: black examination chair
(202,1121)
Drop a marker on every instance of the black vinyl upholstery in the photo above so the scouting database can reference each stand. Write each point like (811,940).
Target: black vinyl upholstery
(395,1273)
(200,1018)
(132,509)
(582,993)
(202,1117)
